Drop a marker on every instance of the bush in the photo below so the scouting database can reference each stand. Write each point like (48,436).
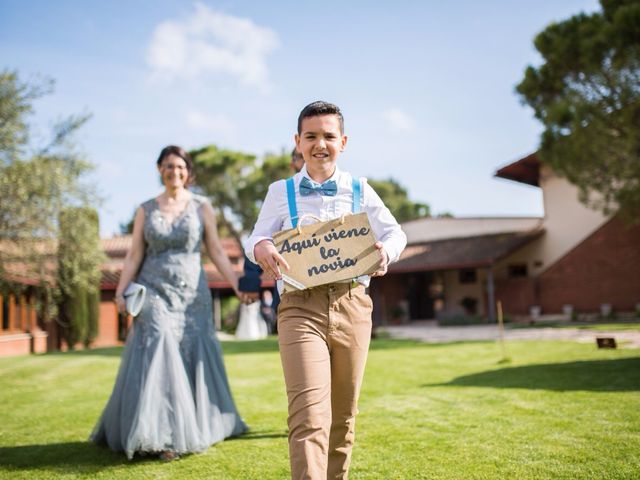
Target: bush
(229,309)
(470,305)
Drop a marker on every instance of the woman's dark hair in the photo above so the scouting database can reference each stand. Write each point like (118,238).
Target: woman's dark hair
(320,108)
(182,153)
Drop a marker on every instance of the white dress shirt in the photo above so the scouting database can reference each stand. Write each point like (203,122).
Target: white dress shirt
(274,214)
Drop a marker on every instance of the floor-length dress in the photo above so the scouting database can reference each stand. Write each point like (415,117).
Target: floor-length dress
(171,392)
(251,325)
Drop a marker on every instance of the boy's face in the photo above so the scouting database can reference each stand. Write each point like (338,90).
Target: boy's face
(320,143)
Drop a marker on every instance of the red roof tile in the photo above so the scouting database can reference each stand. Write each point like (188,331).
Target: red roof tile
(526,170)
(116,249)
(470,252)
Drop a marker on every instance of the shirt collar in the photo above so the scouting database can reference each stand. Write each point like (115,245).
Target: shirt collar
(335,176)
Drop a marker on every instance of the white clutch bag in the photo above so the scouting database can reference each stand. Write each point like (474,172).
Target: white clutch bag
(134,298)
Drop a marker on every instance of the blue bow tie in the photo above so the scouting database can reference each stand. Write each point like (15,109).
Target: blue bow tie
(307,187)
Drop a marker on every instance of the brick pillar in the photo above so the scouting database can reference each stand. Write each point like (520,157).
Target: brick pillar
(12,312)
(38,336)
(24,320)
(32,318)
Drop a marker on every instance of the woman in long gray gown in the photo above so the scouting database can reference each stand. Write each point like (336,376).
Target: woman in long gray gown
(171,394)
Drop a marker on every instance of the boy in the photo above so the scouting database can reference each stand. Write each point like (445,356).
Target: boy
(323,332)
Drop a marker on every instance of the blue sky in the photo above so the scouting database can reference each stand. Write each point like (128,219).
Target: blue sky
(426,87)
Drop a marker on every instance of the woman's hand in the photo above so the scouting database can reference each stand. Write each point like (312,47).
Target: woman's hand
(120,304)
(248,297)
(242,296)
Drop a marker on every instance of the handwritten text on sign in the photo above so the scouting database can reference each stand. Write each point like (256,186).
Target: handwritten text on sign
(327,252)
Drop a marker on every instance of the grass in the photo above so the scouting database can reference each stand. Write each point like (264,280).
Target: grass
(631,326)
(558,410)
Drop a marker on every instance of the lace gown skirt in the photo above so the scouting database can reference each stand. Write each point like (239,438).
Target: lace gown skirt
(171,391)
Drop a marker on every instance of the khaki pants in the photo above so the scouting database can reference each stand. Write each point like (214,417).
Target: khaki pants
(324,335)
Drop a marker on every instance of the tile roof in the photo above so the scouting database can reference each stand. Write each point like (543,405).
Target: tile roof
(526,170)
(116,249)
(470,252)
(436,228)
(111,276)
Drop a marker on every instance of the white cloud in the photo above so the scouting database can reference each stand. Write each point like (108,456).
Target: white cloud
(211,124)
(398,120)
(212,42)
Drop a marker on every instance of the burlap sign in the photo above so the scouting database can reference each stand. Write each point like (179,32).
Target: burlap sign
(327,252)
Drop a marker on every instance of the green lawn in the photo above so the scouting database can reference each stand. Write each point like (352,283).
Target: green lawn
(631,326)
(559,410)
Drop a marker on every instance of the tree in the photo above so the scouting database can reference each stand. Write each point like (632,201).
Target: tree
(586,93)
(222,175)
(126,228)
(237,184)
(16,99)
(78,274)
(273,167)
(396,198)
(37,184)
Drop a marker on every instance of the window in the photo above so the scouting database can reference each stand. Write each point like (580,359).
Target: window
(467,275)
(518,270)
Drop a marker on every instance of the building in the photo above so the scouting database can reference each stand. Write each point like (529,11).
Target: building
(572,261)
(22,332)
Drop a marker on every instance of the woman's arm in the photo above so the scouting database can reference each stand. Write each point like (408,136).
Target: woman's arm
(132,261)
(214,247)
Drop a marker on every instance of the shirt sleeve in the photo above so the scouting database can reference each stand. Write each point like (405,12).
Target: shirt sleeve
(385,227)
(269,220)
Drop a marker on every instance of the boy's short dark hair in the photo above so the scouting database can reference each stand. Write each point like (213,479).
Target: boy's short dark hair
(315,109)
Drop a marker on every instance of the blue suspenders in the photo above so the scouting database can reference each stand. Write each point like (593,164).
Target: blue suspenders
(291,199)
(293,209)
(355,207)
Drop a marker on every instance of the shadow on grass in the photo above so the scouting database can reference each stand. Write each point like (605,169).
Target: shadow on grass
(619,326)
(620,375)
(69,457)
(84,457)
(259,435)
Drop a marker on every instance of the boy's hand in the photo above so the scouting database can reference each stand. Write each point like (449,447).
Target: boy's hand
(269,259)
(384,261)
